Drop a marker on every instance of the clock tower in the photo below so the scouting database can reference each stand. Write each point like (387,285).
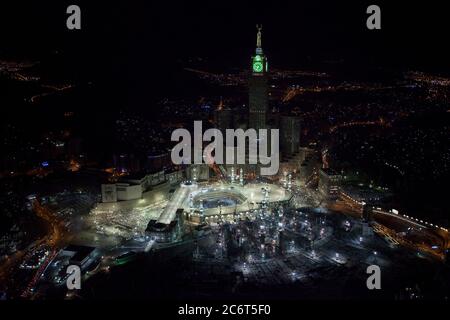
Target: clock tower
(258,87)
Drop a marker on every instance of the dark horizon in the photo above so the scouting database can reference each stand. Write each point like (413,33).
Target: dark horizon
(125,49)
(156,36)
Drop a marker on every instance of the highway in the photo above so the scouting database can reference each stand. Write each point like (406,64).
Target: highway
(398,229)
(55,239)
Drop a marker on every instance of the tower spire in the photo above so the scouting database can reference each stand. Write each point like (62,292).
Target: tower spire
(258,36)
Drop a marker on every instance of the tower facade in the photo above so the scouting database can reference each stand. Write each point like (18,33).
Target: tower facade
(290,135)
(258,87)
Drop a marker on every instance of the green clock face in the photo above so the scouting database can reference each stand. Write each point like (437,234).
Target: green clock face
(257,66)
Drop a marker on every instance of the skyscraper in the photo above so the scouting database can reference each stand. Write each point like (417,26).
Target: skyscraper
(258,87)
(290,135)
(223,119)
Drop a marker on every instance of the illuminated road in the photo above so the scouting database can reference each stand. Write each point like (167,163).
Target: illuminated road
(57,230)
(52,238)
(398,229)
(292,92)
(55,239)
(54,89)
(380,122)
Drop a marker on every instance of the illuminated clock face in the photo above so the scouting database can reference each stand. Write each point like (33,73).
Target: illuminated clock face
(257,66)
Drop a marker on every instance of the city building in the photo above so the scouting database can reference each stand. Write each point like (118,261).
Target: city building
(175,176)
(121,192)
(329,183)
(309,167)
(79,255)
(223,118)
(291,164)
(109,192)
(289,135)
(306,152)
(145,180)
(162,232)
(126,191)
(132,187)
(198,172)
(126,163)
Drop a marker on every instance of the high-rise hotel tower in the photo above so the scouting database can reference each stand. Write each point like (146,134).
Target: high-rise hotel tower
(258,87)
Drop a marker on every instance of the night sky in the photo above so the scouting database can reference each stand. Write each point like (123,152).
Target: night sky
(128,47)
